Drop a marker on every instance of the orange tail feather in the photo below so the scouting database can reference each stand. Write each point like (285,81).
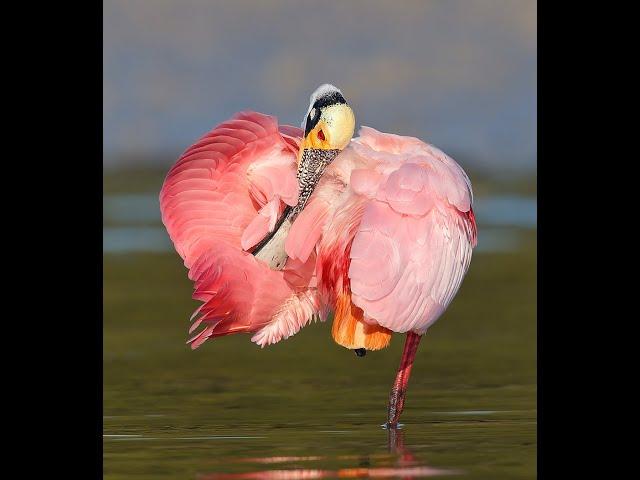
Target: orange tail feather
(351,331)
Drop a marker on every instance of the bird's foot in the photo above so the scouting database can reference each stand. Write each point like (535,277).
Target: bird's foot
(361,352)
(392,426)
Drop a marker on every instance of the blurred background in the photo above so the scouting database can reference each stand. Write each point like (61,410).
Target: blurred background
(460,74)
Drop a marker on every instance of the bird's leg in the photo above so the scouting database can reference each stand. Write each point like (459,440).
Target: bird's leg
(399,389)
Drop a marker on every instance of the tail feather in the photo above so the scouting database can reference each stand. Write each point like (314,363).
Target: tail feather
(351,331)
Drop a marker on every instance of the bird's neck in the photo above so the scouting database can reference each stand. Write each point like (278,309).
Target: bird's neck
(311,167)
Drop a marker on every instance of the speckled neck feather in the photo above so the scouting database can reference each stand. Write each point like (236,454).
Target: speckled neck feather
(311,168)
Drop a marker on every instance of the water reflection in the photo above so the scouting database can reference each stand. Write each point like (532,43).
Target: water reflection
(404,464)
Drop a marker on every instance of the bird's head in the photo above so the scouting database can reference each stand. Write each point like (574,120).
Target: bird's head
(330,122)
(328,128)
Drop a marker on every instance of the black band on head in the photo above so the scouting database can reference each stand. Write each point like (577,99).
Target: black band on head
(333,98)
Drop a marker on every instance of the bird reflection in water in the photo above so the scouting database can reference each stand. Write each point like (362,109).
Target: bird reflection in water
(406,466)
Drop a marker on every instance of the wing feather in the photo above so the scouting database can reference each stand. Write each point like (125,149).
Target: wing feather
(220,198)
(219,185)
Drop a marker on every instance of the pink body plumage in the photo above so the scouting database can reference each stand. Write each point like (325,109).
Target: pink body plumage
(390,221)
(400,211)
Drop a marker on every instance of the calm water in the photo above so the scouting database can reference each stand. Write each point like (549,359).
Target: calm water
(307,408)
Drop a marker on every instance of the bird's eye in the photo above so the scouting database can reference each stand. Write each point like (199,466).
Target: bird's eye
(312,114)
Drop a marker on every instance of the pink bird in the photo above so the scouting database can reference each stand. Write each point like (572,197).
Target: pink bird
(280,226)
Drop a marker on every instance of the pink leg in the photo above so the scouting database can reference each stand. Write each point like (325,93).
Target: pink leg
(399,389)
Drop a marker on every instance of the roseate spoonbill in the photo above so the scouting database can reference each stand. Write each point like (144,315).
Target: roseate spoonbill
(279,226)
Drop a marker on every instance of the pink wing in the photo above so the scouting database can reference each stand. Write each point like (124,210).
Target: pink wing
(221,197)
(218,185)
(412,245)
